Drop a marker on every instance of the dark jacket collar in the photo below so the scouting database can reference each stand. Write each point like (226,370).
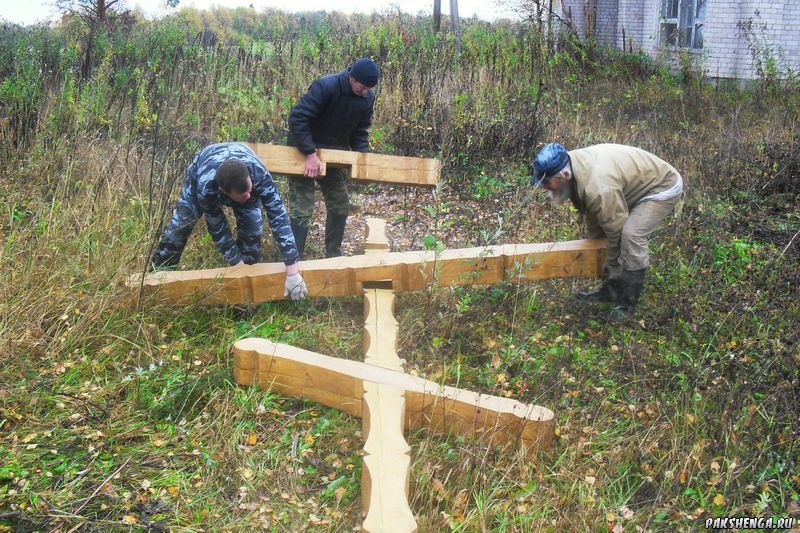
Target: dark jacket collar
(344,82)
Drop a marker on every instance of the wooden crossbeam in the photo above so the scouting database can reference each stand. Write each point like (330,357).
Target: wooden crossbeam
(409,271)
(340,383)
(364,167)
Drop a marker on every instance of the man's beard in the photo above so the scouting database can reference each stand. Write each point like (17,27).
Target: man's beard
(558,197)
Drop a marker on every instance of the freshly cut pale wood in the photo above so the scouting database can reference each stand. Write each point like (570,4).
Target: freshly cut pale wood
(409,271)
(366,167)
(339,383)
(385,476)
(376,235)
(380,329)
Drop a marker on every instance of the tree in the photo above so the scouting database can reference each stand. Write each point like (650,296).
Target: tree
(97,15)
(94,13)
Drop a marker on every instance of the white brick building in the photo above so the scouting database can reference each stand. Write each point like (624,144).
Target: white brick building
(724,34)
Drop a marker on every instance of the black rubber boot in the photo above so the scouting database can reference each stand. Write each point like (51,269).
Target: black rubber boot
(607,292)
(300,235)
(334,234)
(631,284)
(163,259)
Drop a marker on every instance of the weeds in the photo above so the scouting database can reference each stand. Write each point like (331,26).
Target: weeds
(115,417)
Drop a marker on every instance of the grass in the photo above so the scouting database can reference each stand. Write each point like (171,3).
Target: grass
(118,417)
(115,418)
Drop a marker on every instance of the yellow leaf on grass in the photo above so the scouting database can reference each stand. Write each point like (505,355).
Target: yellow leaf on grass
(460,503)
(129,519)
(339,493)
(252,438)
(719,499)
(438,486)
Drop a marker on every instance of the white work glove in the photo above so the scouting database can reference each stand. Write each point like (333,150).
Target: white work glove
(295,287)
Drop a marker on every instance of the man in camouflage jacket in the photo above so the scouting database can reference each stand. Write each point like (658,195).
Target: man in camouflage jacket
(231,174)
(335,112)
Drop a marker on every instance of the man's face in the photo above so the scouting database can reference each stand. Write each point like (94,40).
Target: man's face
(358,88)
(557,188)
(241,197)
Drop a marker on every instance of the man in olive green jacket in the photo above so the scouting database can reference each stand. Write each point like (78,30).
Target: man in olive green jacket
(624,194)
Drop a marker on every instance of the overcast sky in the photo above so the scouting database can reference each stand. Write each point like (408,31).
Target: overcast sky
(32,11)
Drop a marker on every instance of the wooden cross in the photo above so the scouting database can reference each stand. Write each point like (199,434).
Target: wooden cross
(388,400)
(377,390)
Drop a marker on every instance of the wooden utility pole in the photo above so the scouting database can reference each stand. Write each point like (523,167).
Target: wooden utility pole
(455,23)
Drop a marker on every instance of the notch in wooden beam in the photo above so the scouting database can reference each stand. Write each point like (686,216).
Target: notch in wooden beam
(385,284)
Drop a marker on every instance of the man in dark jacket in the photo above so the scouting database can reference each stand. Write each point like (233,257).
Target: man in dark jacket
(335,112)
(231,174)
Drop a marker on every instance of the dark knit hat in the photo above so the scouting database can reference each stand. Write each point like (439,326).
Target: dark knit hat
(365,71)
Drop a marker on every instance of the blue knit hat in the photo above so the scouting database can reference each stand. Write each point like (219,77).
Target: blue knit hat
(365,72)
(551,159)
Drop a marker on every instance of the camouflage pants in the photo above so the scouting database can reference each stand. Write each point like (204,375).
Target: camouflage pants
(334,191)
(249,230)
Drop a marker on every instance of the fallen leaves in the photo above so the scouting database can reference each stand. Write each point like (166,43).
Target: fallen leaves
(439,490)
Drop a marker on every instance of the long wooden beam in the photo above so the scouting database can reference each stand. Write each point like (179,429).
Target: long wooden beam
(365,167)
(385,476)
(387,460)
(340,383)
(409,271)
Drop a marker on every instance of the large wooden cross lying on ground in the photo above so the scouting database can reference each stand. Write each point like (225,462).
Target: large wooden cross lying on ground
(387,399)
(377,390)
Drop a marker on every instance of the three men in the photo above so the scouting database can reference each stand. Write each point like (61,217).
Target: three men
(231,174)
(335,112)
(624,194)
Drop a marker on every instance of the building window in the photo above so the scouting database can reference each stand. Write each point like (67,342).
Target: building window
(682,22)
